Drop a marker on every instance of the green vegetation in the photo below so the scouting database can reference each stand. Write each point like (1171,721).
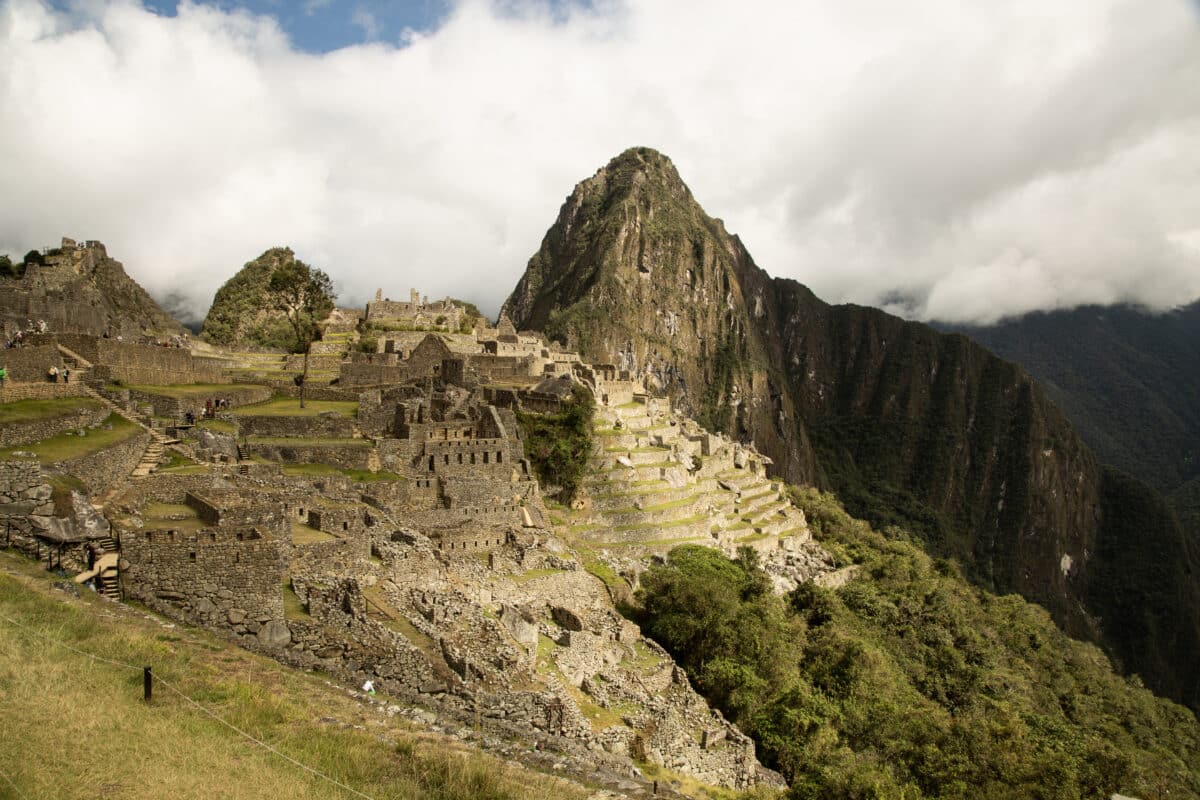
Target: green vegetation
(9,269)
(908,682)
(68,447)
(93,734)
(360,475)
(558,445)
(281,406)
(183,391)
(32,410)
(304,534)
(302,441)
(242,314)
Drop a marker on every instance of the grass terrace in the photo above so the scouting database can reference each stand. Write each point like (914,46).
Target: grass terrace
(183,391)
(68,447)
(300,441)
(290,407)
(218,425)
(303,534)
(360,475)
(34,410)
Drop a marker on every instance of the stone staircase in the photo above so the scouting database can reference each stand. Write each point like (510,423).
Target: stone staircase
(106,569)
(151,457)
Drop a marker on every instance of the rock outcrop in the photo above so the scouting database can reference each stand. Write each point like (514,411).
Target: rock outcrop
(79,288)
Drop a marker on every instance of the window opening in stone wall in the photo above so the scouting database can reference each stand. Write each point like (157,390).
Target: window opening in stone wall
(212,537)
(241,536)
(499,457)
(192,556)
(485,457)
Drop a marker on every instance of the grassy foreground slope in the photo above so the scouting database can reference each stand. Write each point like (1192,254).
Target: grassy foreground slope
(910,682)
(78,728)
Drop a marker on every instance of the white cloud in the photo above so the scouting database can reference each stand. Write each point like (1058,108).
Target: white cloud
(976,160)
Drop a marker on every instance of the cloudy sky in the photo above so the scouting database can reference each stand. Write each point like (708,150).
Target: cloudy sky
(947,159)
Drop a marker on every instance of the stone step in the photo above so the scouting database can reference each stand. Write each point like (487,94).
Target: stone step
(777,526)
(631,474)
(647,455)
(608,501)
(756,505)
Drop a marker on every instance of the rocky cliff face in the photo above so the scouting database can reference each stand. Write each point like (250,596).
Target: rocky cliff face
(241,314)
(906,424)
(79,288)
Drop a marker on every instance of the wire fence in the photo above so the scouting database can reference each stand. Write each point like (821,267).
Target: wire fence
(175,690)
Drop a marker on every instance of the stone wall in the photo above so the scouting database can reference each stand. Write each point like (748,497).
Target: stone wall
(225,577)
(177,407)
(368,374)
(328,425)
(137,363)
(31,362)
(17,433)
(40,390)
(347,455)
(316,391)
(107,467)
(416,494)
(26,503)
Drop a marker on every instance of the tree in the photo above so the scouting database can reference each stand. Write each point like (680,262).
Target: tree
(305,295)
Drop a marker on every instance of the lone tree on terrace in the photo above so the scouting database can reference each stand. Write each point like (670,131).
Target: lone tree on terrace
(305,295)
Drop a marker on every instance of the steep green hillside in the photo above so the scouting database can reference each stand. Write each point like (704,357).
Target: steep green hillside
(241,314)
(909,682)
(905,423)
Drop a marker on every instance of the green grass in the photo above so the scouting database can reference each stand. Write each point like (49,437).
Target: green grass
(66,447)
(33,410)
(678,523)
(290,407)
(306,441)
(359,475)
(182,391)
(190,469)
(303,534)
(218,425)
(292,607)
(94,736)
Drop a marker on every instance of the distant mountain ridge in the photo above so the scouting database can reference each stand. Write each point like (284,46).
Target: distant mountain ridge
(903,422)
(1128,379)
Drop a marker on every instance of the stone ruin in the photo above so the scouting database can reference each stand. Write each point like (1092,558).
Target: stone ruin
(421,555)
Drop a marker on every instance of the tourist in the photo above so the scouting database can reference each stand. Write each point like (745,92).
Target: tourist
(66,373)
(53,374)
(91,555)
(3,376)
